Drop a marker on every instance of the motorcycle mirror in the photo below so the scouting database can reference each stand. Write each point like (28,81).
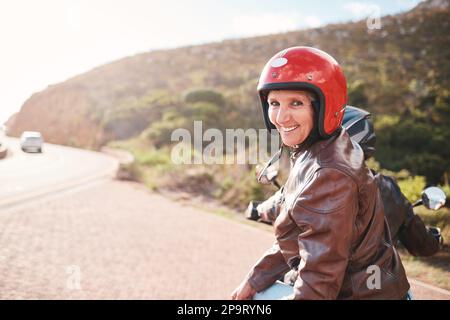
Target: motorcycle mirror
(433,198)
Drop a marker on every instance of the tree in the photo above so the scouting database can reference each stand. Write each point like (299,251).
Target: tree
(205,95)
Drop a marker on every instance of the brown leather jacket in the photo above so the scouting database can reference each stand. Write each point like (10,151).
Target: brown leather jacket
(331,229)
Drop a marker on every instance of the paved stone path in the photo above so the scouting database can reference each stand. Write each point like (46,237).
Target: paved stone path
(116,240)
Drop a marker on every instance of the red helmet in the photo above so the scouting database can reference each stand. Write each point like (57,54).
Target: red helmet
(306,68)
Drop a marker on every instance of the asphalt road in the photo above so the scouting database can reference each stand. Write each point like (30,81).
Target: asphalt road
(27,175)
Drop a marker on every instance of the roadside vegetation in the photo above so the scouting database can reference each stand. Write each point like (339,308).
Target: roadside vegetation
(232,186)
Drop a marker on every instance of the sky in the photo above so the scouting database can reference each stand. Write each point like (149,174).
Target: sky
(49,41)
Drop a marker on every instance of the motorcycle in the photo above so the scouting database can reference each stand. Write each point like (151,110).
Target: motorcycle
(399,211)
(406,228)
(433,198)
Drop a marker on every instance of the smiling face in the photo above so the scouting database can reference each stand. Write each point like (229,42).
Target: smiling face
(292,114)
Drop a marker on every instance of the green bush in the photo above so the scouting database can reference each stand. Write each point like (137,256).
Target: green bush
(412,187)
(153,157)
(446,189)
(414,143)
(132,116)
(159,132)
(356,94)
(205,95)
(238,187)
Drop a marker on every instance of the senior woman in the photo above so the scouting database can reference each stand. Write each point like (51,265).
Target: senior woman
(331,229)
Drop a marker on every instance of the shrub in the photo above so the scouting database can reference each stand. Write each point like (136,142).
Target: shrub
(412,187)
(205,95)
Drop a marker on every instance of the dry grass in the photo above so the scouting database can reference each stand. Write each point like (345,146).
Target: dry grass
(433,270)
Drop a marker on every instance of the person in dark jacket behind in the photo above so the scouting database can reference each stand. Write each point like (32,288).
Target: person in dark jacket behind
(406,228)
(404,225)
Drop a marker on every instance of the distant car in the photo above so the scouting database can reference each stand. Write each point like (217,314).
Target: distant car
(31,140)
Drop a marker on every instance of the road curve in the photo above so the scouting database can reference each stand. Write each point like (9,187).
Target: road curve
(25,176)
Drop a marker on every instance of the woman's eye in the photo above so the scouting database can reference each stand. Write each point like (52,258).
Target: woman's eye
(274,104)
(297,103)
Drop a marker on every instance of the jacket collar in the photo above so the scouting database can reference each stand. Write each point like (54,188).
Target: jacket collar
(302,151)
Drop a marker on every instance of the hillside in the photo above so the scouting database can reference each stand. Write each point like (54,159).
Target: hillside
(388,71)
